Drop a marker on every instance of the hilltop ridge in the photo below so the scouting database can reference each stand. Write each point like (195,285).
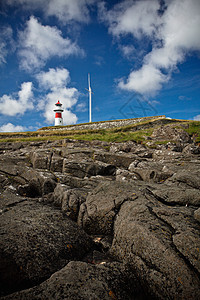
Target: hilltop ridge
(137,129)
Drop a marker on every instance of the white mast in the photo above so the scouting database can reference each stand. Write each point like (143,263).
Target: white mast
(90,99)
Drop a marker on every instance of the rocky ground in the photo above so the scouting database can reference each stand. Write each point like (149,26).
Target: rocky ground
(97,220)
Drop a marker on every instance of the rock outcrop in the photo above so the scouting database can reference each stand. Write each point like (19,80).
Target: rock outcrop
(96,220)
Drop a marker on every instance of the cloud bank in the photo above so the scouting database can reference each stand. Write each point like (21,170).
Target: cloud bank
(11,105)
(172,28)
(39,43)
(64,10)
(9,127)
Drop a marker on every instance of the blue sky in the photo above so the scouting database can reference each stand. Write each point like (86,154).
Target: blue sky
(143,58)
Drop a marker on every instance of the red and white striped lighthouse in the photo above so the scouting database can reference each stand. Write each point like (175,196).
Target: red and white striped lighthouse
(58,114)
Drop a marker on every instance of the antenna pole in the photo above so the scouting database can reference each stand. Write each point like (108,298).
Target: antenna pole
(90,99)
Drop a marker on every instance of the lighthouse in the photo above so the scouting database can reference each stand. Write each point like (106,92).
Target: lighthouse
(58,114)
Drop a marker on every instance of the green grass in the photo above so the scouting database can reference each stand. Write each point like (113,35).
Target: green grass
(135,132)
(101,135)
(114,136)
(194,130)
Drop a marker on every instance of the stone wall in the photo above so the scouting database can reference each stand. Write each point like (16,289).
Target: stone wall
(107,124)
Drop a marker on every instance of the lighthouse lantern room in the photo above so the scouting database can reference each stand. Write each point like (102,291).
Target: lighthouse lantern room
(58,114)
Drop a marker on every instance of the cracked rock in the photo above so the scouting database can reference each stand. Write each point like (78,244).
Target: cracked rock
(36,241)
(161,253)
(97,214)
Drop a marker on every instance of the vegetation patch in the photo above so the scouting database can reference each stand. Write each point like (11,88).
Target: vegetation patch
(194,130)
(136,132)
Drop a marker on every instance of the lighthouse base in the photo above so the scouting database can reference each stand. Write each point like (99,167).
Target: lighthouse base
(58,121)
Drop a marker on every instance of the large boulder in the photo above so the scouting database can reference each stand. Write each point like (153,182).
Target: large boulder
(97,214)
(187,178)
(161,248)
(82,281)
(36,241)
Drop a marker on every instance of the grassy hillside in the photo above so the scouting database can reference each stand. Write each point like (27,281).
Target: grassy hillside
(137,132)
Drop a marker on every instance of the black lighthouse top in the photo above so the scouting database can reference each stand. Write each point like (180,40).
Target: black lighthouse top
(58,103)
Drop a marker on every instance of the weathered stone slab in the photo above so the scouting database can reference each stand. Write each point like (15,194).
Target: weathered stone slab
(82,281)
(36,241)
(161,248)
(97,214)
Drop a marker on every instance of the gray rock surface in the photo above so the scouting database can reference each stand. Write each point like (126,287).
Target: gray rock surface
(79,280)
(71,210)
(175,195)
(97,213)
(36,241)
(197,214)
(161,249)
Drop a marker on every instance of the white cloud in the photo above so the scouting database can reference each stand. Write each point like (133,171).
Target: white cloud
(6,42)
(69,10)
(173,32)
(196,118)
(11,105)
(55,81)
(9,127)
(135,17)
(146,79)
(39,43)
(64,10)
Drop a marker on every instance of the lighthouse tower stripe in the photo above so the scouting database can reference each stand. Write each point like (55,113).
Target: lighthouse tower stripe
(58,115)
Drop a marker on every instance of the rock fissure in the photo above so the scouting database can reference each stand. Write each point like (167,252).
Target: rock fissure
(50,161)
(171,203)
(149,264)
(11,205)
(186,260)
(164,222)
(177,251)
(165,202)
